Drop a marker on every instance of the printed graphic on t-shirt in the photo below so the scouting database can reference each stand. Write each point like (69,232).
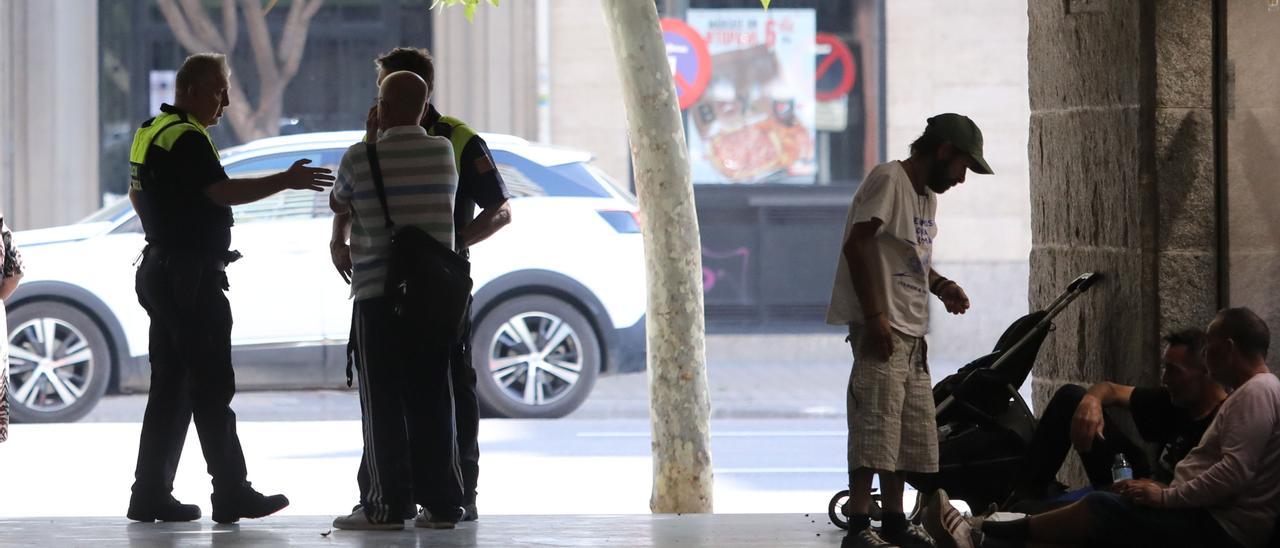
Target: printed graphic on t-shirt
(922,232)
(914,278)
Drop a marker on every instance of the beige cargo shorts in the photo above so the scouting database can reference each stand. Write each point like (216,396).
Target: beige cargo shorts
(890,408)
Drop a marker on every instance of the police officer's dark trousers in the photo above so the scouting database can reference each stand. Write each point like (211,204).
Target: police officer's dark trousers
(406,409)
(466,405)
(191,373)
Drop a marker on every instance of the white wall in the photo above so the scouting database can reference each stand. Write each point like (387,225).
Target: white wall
(49,140)
(969,57)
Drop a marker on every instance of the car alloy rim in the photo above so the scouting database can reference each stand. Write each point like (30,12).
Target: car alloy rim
(535,358)
(50,364)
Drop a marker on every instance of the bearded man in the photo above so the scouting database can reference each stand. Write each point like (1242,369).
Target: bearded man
(883,281)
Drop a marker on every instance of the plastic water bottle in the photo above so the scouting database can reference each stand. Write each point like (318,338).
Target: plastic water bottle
(1121,470)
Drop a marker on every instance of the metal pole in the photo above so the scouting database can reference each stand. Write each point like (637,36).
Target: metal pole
(675,9)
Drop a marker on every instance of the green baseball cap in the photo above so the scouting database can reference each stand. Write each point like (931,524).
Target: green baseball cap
(963,134)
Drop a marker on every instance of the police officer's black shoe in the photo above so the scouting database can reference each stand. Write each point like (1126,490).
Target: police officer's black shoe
(245,502)
(166,508)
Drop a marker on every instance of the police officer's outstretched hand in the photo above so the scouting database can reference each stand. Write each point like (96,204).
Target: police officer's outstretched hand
(301,177)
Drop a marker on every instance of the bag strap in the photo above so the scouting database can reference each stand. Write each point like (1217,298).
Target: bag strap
(375,170)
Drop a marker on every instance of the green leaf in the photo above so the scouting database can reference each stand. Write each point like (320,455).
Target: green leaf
(764,3)
(494,2)
(468,6)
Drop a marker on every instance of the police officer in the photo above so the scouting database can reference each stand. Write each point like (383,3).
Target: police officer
(479,184)
(183,197)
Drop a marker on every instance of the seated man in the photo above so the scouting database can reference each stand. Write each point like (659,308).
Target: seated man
(1226,492)
(1173,416)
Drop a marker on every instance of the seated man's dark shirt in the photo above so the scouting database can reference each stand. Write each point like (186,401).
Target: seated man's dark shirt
(1160,421)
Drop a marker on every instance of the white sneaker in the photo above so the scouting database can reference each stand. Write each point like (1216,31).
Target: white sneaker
(358,521)
(945,524)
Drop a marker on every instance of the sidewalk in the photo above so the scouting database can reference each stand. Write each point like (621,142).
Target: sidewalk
(690,530)
(528,467)
(800,376)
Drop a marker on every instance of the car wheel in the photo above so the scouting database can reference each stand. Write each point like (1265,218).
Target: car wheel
(59,362)
(535,357)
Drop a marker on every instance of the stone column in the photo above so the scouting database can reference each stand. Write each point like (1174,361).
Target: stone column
(7,84)
(1186,184)
(50,138)
(1121,150)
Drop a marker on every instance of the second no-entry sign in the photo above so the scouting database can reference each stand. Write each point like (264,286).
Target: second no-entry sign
(690,61)
(835,72)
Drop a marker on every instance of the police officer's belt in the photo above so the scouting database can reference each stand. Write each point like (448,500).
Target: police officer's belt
(216,260)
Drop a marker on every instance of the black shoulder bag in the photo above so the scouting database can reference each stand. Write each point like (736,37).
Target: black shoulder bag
(428,284)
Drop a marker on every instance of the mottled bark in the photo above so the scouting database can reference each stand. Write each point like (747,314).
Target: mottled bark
(679,406)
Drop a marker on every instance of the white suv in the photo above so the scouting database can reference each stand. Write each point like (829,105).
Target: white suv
(559,293)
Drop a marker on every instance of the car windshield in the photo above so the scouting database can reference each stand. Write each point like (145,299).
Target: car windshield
(525,178)
(111,212)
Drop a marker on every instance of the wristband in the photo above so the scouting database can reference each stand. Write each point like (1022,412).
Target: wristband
(939,284)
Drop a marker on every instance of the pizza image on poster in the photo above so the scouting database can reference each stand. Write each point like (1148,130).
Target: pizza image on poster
(755,121)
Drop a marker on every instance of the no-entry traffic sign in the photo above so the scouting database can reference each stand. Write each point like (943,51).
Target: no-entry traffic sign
(690,61)
(835,73)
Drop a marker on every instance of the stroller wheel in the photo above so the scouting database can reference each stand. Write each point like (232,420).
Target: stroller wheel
(836,506)
(835,509)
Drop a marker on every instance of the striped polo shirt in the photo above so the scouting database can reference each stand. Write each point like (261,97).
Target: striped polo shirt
(420,181)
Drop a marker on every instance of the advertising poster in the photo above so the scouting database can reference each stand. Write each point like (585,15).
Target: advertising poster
(755,121)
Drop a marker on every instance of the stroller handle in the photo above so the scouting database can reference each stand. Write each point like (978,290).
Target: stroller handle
(1042,326)
(1074,290)
(1084,281)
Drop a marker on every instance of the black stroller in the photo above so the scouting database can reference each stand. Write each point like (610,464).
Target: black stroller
(984,425)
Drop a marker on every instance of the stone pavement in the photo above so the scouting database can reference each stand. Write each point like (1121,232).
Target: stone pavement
(756,376)
(642,530)
(749,376)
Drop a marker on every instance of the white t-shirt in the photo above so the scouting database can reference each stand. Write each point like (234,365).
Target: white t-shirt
(904,243)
